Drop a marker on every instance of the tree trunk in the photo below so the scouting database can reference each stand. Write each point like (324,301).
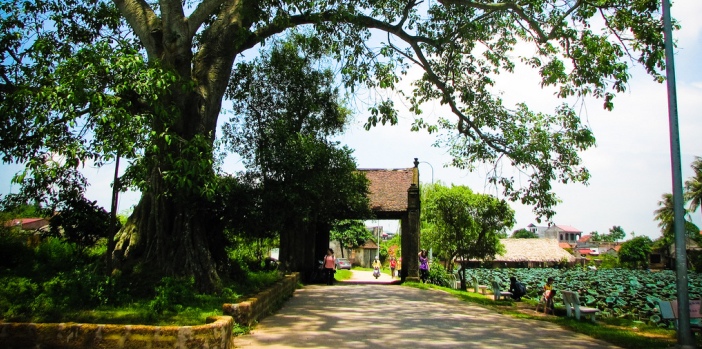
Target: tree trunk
(170,238)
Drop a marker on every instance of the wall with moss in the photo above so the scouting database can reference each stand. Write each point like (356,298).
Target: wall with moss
(264,303)
(216,334)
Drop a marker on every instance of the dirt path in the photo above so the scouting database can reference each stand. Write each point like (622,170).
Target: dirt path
(390,316)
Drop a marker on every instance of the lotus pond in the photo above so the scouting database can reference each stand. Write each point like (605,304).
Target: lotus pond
(616,292)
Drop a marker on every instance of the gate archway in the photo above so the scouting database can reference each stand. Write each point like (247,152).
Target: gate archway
(394,194)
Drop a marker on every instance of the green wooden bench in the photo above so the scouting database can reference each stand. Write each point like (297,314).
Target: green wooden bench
(477,287)
(498,292)
(573,307)
(669,311)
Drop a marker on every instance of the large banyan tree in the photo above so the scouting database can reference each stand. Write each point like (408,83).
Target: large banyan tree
(88,81)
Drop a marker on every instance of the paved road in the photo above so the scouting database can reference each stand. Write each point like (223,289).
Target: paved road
(391,316)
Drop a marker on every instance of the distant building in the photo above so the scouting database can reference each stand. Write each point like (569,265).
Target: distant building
(564,234)
(27,223)
(539,231)
(530,253)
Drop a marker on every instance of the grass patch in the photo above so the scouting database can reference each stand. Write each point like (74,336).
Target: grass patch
(342,274)
(621,332)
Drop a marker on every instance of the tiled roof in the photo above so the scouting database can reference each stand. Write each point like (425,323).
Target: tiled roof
(370,244)
(584,251)
(564,245)
(388,189)
(26,221)
(585,238)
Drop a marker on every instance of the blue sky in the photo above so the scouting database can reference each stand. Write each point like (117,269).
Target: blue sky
(630,166)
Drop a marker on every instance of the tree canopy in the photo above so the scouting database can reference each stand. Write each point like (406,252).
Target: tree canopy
(524,234)
(350,233)
(634,253)
(463,224)
(87,81)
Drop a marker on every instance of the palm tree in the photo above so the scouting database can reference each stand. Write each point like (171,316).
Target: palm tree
(693,186)
(665,216)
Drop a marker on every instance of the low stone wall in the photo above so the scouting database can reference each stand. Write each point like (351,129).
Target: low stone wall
(216,334)
(265,302)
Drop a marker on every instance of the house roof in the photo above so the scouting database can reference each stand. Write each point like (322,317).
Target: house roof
(370,244)
(533,250)
(567,228)
(585,238)
(564,245)
(388,188)
(31,223)
(584,250)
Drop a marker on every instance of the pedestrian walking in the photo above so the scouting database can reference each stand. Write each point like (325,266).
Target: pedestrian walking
(393,265)
(423,266)
(329,266)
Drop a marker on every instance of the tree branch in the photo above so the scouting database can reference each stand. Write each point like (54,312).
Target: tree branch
(203,11)
(143,21)
(519,10)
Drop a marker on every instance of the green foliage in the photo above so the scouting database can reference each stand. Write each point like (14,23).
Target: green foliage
(693,186)
(524,234)
(460,223)
(616,233)
(623,293)
(13,249)
(16,297)
(635,252)
(665,215)
(81,222)
(57,282)
(171,294)
(608,261)
(350,233)
(438,275)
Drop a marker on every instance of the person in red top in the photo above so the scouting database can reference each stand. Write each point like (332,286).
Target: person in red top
(329,266)
(393,265)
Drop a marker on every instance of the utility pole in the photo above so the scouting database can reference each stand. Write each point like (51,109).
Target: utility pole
(685,339)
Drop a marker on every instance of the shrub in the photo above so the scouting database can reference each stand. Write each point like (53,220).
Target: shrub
(16,296)
(438,275)
(13,250)
(54,255)
(172,294)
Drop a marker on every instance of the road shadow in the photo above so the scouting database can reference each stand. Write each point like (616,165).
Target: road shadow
(391,316)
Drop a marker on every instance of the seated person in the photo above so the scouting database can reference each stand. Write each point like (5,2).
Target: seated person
(549,292)
(517,288)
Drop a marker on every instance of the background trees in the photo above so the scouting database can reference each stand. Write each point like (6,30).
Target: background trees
(84,81)
(693,186)
(462,224)
(634,253)
(350,233)
(284,112)
(524,234)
